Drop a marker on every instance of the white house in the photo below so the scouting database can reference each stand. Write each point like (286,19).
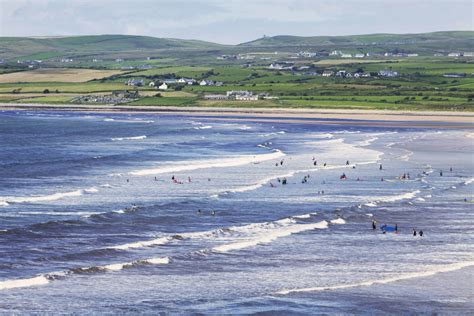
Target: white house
(454,54)
(327,73)
(359,55)
(206,83)
(246,97)
(163,86)
(346,56)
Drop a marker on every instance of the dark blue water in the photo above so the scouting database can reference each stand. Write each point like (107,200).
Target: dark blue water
(92,220)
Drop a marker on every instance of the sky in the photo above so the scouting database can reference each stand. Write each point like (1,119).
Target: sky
(231,21)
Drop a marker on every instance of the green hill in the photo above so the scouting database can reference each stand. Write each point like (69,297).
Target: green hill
(454,40)
(21,47)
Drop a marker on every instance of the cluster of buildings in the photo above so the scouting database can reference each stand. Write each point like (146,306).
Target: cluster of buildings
(458,54)
(164,84)
(281,66)
(306,54)
(345,74)
(115,98)
(238,95)
(30,63)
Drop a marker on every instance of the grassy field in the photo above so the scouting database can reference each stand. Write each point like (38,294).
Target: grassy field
(420,86)
(57,75)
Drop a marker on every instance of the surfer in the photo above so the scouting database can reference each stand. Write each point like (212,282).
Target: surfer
(128,181)
(450,169)
(272,185)
(173,178)
(374,225)
(347,162)
(283,181)
(441,173)
(189,179)
(421,233)
(380,167)
(381,179)
(343,177)
(414,232)
(315,163)
(396,228)
(358,179)
(325,164)
(281,163)
(199,211)
(213,212)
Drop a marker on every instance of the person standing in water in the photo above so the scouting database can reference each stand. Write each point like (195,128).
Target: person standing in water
(421,233)
(414,232)
(380,167)
(374,225)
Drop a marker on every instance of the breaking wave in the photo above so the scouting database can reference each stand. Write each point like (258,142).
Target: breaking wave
(204,164)
(44,279)
(436,270)
(129,138)
(45,198)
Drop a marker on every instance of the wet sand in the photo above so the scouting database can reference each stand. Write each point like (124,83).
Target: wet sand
(441,119)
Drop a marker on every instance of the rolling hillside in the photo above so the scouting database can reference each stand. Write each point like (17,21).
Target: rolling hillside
(43,48)
(455,40)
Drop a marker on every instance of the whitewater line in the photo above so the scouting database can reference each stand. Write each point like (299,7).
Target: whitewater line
(205,164)
(44,279)
(443,269)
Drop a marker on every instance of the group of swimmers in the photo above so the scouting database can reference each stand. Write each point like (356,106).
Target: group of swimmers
(386,228)
(199,212)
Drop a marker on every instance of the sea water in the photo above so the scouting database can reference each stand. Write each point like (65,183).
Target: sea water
(121,213)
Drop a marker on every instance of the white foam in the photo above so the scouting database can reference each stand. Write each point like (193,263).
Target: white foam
(270,236)
(12,284)
(203,127)
(45,198)
(436,270)
(403,196)
(339,221)
(304,216)
(469,181)
(369,214)
(371,204)
(129,138)
(91,190)
(121,266)
(142,244)
(366,142)
(204,164)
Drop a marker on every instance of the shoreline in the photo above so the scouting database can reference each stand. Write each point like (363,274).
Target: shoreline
(388,118)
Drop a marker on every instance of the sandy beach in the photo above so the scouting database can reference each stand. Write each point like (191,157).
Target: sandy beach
(441,119)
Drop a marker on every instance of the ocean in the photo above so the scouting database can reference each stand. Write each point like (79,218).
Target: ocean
(118,213)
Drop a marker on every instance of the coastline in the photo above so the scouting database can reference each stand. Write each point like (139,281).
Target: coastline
(389,118)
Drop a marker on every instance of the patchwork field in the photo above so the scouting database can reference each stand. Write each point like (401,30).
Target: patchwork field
(57,75)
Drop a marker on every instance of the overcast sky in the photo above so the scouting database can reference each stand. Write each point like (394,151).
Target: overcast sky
(231,21)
